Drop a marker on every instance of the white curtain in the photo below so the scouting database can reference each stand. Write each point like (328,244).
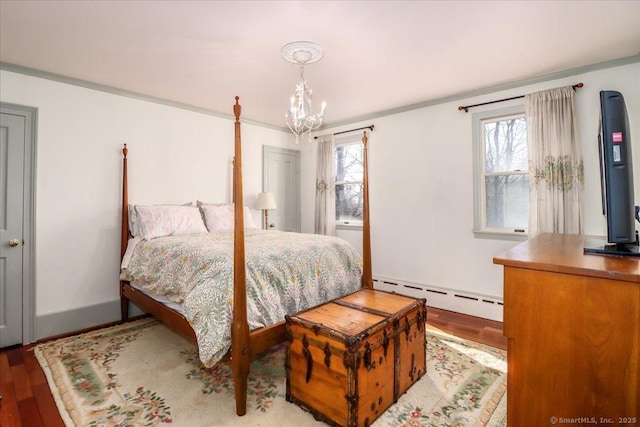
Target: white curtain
(325,187)
(556,170)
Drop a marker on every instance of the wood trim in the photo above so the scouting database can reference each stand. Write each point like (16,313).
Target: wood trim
(171,318)
(124,236)
(241,356)
(260,339)
(563,253)
(124,231)
(263,339)
(367,274)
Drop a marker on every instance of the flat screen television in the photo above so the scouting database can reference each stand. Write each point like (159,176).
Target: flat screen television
(616,177)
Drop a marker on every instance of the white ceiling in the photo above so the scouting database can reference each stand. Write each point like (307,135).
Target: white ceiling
(378,55)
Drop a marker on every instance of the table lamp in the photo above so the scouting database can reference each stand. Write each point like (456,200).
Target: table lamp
(265,202)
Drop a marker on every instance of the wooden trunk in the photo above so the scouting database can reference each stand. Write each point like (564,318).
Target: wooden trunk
(348,360)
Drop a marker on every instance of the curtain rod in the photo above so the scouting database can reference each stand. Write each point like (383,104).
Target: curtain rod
(351,130)
(466,108)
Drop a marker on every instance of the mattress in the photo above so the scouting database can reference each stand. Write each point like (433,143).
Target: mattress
(161,299)
(286,273)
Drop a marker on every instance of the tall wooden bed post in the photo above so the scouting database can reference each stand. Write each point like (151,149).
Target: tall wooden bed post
(244,344)
(124,302)
(240,354)
(367,275)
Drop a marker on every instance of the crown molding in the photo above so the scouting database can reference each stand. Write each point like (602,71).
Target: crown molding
(5,66)
(459,96)
(490,89)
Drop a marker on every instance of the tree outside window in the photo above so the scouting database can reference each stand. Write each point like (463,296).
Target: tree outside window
(506,173)
(349,185)
(502,167)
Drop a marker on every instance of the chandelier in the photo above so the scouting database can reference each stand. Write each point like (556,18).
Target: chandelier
(301,118)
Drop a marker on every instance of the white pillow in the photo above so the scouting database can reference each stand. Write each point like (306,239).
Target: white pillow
(134,225)
(248,218)
(159,221)
(220,217)
(200,204)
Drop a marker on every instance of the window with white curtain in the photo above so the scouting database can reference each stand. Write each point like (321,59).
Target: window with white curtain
(501,172)
(348,169)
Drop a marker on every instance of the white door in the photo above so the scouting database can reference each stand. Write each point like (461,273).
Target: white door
(12,156)
(281,176)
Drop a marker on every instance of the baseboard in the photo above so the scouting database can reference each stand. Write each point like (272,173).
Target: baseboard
(486,307)
(64,322)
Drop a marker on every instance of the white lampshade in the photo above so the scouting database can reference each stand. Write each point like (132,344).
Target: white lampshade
(266,201)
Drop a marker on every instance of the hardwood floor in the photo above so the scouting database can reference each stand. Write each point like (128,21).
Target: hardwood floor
(27,401)
(484,331)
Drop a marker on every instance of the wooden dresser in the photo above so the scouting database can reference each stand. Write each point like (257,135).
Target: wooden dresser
(573,327)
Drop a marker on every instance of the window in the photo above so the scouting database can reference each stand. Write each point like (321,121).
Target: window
(349,186)
(502,172)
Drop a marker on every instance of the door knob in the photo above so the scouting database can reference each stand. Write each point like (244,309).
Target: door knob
(14,242)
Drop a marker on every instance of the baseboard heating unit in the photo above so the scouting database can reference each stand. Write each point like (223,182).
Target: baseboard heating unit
(478,305)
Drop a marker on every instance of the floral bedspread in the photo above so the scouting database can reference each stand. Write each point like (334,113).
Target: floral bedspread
(286,273)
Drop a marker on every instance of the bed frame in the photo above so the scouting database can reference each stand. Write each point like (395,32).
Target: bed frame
(244,344)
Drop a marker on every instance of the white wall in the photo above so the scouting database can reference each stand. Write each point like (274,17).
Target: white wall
(421,184)
(421,180)
(175,156)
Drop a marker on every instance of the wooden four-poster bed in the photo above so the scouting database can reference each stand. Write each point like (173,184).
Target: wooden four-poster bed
(245,344)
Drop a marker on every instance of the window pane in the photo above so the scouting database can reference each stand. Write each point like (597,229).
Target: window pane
(507,201)
(506,145)
(349,202)
(348,163)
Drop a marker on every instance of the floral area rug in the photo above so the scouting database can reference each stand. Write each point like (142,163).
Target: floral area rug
(143,374)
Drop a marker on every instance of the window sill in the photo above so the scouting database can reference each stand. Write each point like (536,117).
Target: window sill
(350,227)
(498,235)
